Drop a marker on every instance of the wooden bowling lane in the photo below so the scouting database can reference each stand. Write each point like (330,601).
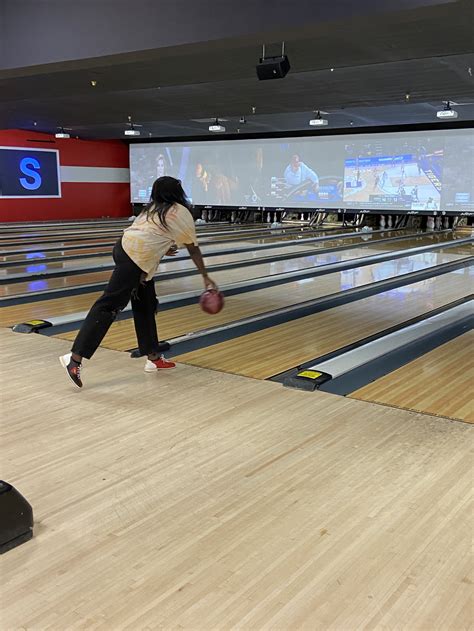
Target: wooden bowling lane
(106,248)
(52,307)
(376,241)
(184,283)
(439,382)
(47,225)
(78,258)
(52,246)
(266,353)
(176,285)
(97,276)
(60,237)
(284,231)
(375,272)
(41,265)
(73,236)
(176,322)
(48,244)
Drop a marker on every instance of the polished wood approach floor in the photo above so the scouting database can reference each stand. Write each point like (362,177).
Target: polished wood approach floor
(205,501)
(440,382)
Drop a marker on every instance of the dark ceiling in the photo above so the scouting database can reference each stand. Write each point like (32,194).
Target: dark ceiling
(358,69)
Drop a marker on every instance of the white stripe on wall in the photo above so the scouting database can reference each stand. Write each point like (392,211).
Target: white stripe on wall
(104,175)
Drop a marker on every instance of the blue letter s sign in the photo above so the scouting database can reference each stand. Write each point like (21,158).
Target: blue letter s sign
(29,172)
(33,180)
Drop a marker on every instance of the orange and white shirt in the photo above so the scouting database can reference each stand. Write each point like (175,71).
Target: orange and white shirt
(146,241)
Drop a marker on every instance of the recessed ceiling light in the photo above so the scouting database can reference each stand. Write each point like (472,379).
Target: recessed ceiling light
(332,69)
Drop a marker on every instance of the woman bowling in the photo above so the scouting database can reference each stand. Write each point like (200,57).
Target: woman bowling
(164,224)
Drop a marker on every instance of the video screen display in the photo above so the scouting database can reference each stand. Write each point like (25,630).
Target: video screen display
(403,171)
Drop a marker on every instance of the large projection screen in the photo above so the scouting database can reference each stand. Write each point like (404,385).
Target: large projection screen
(404,171)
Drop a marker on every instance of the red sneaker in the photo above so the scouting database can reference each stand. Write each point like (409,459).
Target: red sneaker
(158,364)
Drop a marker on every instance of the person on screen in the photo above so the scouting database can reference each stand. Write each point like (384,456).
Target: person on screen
(164,223)
(216,187)
(160,166)
(297,173)
(203,176)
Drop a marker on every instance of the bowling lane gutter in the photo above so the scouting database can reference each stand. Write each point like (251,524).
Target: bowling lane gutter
(350,367)
(71,322)
(192,271)
(76,290)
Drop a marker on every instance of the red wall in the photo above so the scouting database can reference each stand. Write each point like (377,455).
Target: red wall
(79,199)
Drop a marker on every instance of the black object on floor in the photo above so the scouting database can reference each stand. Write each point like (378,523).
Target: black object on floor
(16,518)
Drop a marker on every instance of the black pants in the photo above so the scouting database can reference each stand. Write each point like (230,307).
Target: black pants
(124,285)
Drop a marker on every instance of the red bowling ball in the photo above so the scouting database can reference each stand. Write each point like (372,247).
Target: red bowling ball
(212,301)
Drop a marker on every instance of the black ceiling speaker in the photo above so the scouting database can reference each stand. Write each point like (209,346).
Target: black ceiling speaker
(273,67)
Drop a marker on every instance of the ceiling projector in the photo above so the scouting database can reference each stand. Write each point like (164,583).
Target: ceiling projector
(447,113)
(62,134)
(318,122)
(216,127)
(131,132)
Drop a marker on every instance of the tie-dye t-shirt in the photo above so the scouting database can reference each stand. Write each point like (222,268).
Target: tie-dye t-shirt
(146,241)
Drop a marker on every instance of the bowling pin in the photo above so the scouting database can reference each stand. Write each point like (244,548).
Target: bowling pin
(389,223)
(268,218)
(382,222)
